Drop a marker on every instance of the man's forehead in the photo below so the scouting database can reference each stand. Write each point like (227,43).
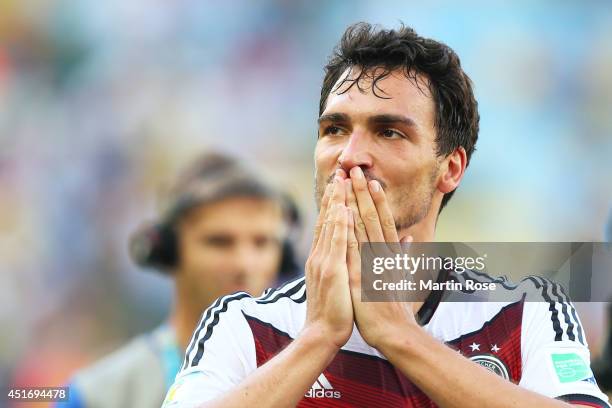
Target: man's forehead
(366,77)
(395,93)
(250,207)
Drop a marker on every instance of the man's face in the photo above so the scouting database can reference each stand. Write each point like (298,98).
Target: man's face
(392,140)
(228,246)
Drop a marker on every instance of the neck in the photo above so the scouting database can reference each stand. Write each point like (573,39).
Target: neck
(184,318)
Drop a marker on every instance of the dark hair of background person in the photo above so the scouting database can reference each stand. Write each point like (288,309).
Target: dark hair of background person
(378,52)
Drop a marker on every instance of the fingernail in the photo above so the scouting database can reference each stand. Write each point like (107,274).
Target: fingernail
(375,186)
(338,173)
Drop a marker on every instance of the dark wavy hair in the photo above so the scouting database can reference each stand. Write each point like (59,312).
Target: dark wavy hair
(378,52)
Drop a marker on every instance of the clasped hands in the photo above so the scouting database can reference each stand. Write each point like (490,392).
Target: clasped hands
(353,211)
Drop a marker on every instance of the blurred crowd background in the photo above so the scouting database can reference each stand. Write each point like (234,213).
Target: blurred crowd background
(101,102)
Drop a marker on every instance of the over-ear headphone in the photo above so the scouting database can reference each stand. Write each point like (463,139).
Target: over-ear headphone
(154,246)
(212,177)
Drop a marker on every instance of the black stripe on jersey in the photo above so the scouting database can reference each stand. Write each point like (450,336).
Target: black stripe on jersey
(301,299)
(571,320)
(267,293)
(554,317)
(568,320)
(194,339)
(215,320)
(271,291)
(583,398)
(225,301)
(566,299)
(578,325)
(286,294)
(209,311)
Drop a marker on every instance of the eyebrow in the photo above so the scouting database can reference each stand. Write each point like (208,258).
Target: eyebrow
(334,117)
(382,119)
(388,119)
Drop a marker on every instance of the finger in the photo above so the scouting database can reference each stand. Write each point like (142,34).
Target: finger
(367,209)
(353,256)
(325,204)
(317,246)
(322,214)
(387,222)
(338,195)
(351,202)
(328,230)
(339,238)
(341,173)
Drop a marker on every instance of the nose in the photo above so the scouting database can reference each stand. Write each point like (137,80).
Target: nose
(244,259)
(356,152)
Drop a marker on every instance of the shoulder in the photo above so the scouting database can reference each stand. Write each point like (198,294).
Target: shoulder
(272,301)
(283,308)
(117,373)
(544,303)
(292,292)
(550,312)
(285,299)
(132,356)
(226,327)
(547,311)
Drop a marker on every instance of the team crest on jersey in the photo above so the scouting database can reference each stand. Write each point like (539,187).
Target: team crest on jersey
(492,363)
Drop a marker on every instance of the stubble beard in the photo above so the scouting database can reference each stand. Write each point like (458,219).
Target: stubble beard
(414,202)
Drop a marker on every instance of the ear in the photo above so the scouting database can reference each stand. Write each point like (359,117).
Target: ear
(452,170)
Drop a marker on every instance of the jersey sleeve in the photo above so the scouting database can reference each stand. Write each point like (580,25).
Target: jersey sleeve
(555,354)
(220,355)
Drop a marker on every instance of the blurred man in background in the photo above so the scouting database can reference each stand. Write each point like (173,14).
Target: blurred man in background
(222,230)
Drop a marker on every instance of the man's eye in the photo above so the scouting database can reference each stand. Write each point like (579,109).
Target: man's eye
(391,134)
(332,131)
(217,241)
(262,242)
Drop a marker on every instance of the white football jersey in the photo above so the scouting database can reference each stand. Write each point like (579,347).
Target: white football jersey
(537,343)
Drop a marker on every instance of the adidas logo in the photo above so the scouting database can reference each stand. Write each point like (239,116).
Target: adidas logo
(322,389)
